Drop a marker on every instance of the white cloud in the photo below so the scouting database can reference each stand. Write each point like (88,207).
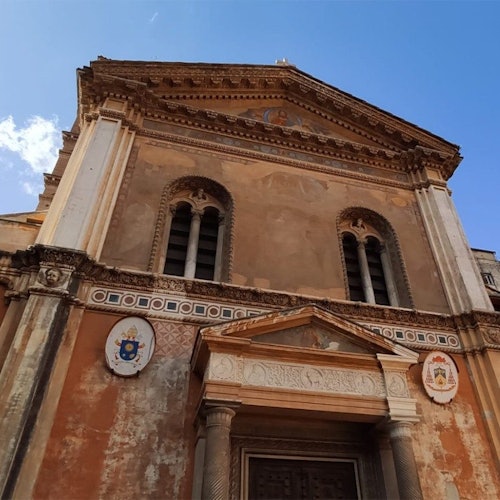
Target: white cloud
(153,19)
(37,143)
(31,188)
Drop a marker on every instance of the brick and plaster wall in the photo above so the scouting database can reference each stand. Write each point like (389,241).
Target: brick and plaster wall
(122,437)
(451,445)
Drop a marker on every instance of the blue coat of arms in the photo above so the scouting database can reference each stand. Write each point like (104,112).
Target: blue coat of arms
(128,349)
(129,346)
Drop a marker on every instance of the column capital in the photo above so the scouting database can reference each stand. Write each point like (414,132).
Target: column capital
(219,415)
(399,429)
(197,213)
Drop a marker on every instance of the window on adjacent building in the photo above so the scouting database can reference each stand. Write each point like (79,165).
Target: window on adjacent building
(373,267)
(488,279)
(193,229)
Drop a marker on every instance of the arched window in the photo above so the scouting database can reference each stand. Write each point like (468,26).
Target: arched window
(373,267)
(193,233)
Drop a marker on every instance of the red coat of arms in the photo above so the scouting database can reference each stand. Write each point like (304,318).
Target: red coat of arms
(440,377)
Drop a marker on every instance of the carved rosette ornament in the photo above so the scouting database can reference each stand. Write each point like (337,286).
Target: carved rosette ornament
(492,336)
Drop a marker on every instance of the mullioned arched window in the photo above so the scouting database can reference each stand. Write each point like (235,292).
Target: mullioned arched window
(373,266)
(193,231)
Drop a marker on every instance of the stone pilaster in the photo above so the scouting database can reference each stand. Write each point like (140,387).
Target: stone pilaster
(217,454)
(80,212)
(459,272)
(25,374)
(404,460)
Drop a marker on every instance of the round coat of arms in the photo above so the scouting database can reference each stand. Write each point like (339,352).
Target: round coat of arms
(440,377)
(129,346)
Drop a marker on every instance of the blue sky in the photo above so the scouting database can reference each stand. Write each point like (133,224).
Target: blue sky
(433,63)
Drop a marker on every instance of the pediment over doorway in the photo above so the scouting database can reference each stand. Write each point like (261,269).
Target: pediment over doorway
(308,327)
(304,359)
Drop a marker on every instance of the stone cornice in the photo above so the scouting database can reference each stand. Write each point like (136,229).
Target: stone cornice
(191,77)
(51,179)
(309,160)
(96,273)
(89,270)
(149,86)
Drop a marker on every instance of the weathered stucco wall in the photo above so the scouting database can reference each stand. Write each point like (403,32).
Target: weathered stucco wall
(122,437)
(450,443)
(285,234)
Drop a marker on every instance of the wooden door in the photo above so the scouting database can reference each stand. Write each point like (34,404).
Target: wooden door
(289,479)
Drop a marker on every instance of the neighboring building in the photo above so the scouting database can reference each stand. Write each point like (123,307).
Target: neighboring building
(283,263)
(489,267)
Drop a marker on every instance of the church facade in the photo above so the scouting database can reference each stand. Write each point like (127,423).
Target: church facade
(240,283)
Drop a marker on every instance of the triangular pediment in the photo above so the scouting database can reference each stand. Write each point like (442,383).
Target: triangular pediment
(274,94)
(309,327)
(277,104)
(305,358)
(316,336)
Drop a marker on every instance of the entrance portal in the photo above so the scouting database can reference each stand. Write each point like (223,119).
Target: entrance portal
(297,479)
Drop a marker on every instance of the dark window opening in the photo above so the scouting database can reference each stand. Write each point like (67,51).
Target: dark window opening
(207,244)
(178,240)
(376,270)
(354,281)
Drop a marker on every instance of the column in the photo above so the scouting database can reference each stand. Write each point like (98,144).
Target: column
(365,273)
(219,250)
(217,454)
(404,460)
(388,276)
(192,249)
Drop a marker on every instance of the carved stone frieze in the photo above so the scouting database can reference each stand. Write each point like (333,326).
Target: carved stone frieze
(479,318)
(38,255)
(224,367)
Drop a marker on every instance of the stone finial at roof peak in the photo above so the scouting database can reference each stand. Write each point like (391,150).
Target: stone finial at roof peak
(284,62)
